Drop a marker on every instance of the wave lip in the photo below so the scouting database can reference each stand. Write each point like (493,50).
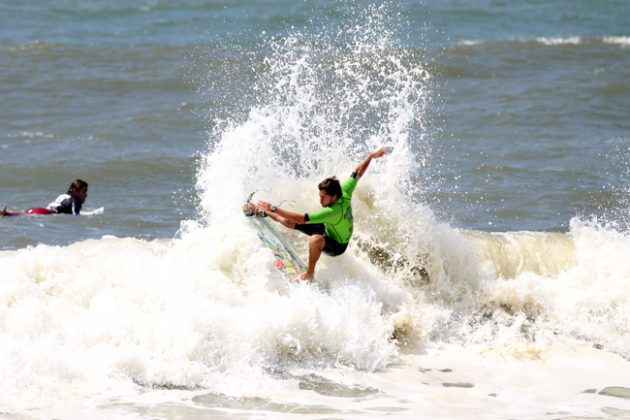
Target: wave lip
(512,253)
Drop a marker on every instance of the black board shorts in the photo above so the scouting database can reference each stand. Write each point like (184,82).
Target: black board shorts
(331,247)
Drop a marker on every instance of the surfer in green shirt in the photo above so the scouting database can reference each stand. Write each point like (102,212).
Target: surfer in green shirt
(329,228)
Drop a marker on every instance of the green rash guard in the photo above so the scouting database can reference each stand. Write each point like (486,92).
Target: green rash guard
(337,218)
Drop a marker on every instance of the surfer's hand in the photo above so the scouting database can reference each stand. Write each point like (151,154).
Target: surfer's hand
(250,209)
(263,205)
(380,152)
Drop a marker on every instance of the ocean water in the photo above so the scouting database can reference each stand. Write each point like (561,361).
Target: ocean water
(488,276)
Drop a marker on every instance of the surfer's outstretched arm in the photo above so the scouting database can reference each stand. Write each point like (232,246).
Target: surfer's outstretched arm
(360,170)
(285,217)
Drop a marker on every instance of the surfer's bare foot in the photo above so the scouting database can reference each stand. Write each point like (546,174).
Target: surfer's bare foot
(306,276)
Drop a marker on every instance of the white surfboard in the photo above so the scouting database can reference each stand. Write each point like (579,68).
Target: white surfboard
(285,258)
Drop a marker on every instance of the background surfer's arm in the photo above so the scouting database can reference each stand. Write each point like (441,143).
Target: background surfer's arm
(360,170)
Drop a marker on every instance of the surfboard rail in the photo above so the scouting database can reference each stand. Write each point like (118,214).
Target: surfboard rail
(285,258)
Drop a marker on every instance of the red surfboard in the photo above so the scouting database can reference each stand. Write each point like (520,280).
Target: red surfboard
(33,210)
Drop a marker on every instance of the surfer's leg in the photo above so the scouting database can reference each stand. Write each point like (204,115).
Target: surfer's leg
(310,229)
(5,213)
(315,245)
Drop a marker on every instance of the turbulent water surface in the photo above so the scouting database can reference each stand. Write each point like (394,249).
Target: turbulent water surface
(488,276)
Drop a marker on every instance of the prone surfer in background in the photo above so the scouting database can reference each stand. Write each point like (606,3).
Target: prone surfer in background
(330,228)
(68,203)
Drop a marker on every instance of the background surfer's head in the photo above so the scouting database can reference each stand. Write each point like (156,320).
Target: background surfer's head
(79,189)
(329,191)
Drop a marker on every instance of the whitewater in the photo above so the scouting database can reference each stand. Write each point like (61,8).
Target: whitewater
(419,318)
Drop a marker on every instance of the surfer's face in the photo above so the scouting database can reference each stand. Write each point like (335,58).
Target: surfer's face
(325,199)
(81,194)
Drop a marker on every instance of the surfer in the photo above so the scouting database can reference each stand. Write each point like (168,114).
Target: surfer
(329,228)
(71,202)
(68,203)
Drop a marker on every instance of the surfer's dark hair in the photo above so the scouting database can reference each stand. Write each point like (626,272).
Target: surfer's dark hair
(331,186)
(77,185)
